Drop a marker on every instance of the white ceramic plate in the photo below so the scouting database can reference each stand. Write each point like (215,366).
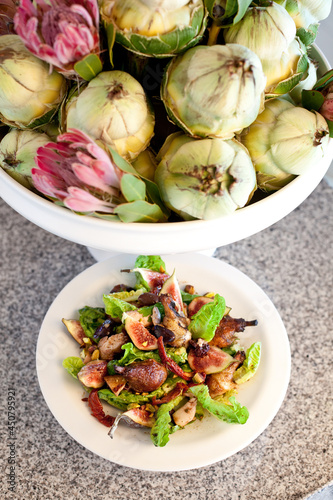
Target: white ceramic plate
(202,443)
(191,236)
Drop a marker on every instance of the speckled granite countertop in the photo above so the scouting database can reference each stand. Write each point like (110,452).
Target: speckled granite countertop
(291,459)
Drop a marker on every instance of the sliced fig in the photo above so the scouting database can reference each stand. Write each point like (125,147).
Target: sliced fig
(144,320)
(75,329)
(196,304)
(186,413)
(116,383)
(143,376)
(171,287)
(213,361)
(140,336)
(153,279)
(92,374)
(110,346)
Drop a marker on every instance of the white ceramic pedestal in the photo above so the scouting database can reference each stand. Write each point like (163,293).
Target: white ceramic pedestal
(100,255)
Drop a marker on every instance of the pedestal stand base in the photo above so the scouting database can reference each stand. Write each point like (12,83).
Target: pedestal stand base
(100,255)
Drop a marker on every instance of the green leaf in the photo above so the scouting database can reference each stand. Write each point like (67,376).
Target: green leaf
(330,126)
(91,318)
(206,320)
(243,5)
(116,307)
(250,365)
(154,196)
(231,413)
(126,398)
(308,36)
(132,188)
(148,310)
(73,365)
(89,67)
(121,162)
(152,262)
(325,80)
(188,297)
(109,217)
(163,427)
(312,99)
(130,296)
(111,38)
(132,353)
(139,211)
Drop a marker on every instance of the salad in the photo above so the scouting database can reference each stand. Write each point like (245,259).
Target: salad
(162,355)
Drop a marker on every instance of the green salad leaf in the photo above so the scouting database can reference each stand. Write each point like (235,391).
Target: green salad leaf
(152,262)
(126,398)
(250,364)
(206,320)
(91,318)
(73,365)
(231,413)
(188,297)
(148,310)
(163,426)
(132,353)
(130,296)
(115,307)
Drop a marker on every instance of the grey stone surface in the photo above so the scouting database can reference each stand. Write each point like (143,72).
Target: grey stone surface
(291,460)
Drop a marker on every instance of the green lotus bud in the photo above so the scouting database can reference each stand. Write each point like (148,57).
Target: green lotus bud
(113,108)
(158,28)
(204,178)
(285,141)
(18,149)
(214,91)
(307,12)
(260,25)
(145,164)
(29,92)
(283,57)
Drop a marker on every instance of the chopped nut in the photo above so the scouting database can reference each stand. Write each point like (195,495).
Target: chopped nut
(95,355)
(189,289)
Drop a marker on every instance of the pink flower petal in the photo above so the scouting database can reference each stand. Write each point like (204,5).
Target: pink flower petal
(82,201)
(48,184)
(64,50)
(327,109)
(89,177)
(92,8)
(106,172)
(84,158)
(76,137)
(81,11)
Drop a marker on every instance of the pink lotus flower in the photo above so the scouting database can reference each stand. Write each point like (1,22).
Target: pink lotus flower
(76,171)
(327,108)
(60,32)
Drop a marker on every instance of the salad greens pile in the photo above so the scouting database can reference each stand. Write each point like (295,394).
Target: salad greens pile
(163,356)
